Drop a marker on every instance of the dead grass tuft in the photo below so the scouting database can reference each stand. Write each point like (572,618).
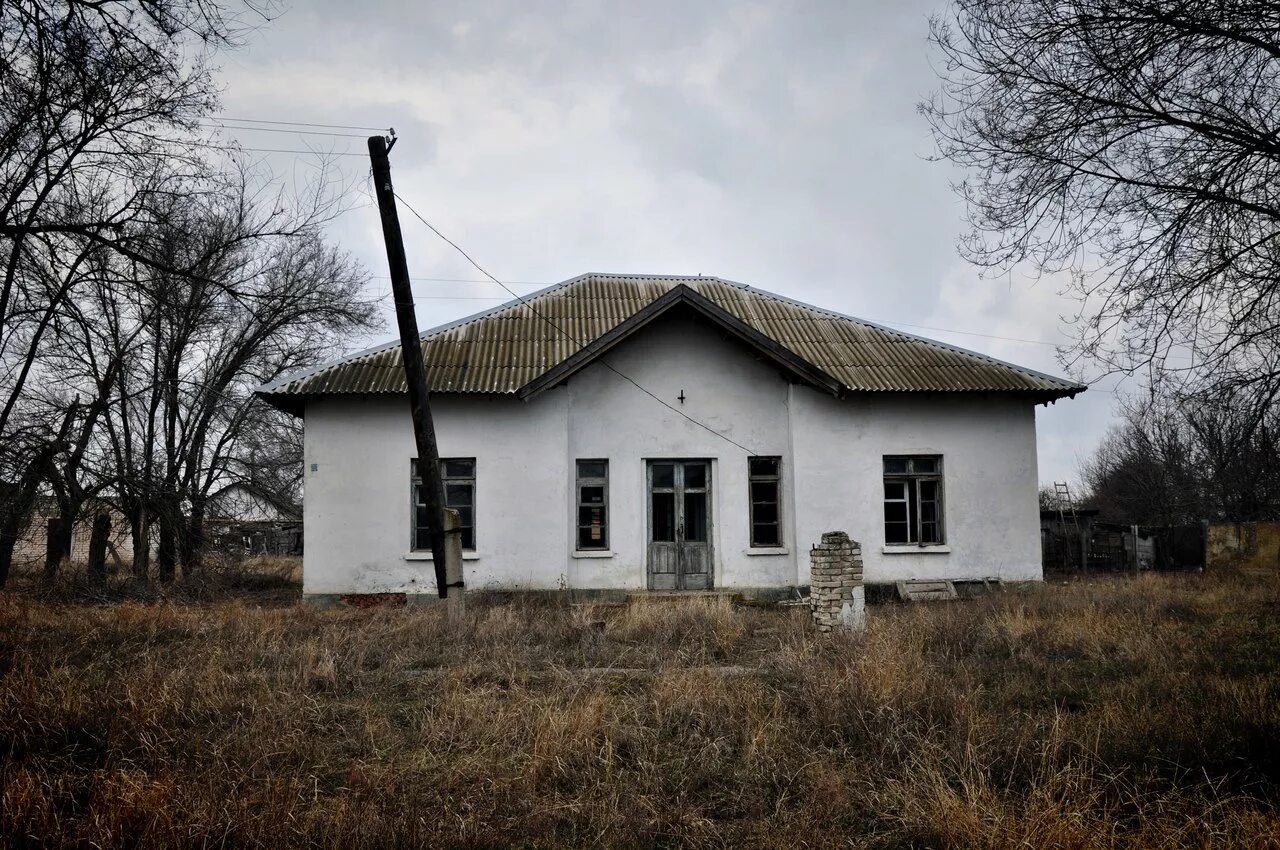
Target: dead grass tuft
(1111,713)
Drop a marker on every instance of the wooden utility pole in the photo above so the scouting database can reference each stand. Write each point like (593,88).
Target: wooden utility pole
(457,603)
(424,432)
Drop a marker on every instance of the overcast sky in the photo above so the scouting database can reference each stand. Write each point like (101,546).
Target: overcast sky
(772,143)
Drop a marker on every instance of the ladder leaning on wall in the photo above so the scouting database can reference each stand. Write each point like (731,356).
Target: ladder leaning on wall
(1067,508)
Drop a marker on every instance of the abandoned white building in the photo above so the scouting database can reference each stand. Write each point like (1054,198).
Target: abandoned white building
(628,432)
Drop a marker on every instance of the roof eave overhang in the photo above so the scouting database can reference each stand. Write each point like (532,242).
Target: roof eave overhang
(294,405)
(1035,395)
(1051,396)
(682,295)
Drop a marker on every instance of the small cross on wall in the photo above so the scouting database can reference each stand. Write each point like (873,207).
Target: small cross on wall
(681,396)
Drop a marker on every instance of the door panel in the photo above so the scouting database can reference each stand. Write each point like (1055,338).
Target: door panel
(680,554)
(663,511)
(695,517)
(664,556)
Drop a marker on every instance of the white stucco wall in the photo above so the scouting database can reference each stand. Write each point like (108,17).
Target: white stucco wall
(357,512)
(357,501)
(988,448)
(725,388)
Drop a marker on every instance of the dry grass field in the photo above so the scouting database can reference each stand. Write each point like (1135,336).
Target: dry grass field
(1115,713)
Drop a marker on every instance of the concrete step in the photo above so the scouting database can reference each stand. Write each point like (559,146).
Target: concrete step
(661,596)
(927,591)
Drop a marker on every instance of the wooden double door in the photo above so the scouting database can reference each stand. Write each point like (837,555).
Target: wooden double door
(680,553)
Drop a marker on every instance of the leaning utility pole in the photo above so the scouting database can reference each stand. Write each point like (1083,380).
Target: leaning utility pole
(424,432)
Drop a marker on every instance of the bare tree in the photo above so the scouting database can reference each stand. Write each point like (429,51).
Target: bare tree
(99,105)
(1177,459)
(143,287)
(270,458)
(267,296)
(1143,472)
(1133,143)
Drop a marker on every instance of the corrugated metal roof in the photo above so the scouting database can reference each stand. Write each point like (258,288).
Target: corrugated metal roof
(503,349)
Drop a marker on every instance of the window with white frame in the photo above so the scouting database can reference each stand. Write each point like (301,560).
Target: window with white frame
(765,480)
(593,505)
(913,500)
(458,475)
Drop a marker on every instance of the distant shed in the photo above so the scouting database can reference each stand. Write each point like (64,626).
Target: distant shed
(245,519)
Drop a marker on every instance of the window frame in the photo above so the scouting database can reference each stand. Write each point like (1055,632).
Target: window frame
(415,481)
(580,481)
(776,480)
(912,498)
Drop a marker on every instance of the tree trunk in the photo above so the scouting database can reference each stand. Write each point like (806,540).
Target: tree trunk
(139,533)
(8,540)
(98,549)
(11,521)
(68,508)
(193,539)
(57,545)
(167,550)
(16,509)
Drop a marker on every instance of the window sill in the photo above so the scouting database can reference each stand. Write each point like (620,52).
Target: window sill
(426,556)
(592,553)
(768,550)
(913,549)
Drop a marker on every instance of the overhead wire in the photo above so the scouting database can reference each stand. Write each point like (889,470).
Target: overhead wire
(568,335)
(465,280)
(606,364)
(287,150)
(235,148)
(389,293)
(221,126)
(298,123)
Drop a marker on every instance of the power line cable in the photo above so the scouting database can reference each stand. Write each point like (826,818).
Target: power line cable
(466,280)
(970,333)
(288,150)
(569,336)
(235,148)
(444,297)
(298,123)
(221,126)
(606,364)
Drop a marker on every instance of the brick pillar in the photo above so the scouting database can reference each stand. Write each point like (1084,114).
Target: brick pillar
(835,583)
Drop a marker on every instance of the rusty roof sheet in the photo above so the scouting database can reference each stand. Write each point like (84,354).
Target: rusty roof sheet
(503,349)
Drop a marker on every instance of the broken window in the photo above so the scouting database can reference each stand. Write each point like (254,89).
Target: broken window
(913,500)
(593,504)
(765,481)
(458,476)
